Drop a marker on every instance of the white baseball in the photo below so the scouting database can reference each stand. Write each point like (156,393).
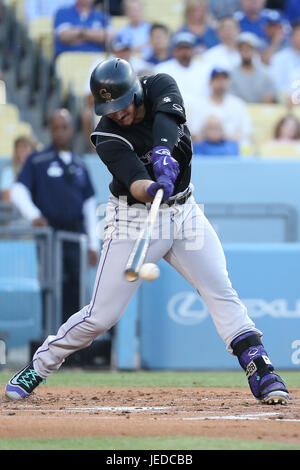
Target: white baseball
(149,272)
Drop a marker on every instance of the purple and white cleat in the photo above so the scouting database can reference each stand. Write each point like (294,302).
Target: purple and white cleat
(266,386)
(23,383)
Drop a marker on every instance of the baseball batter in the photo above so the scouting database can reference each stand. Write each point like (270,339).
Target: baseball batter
(143,140)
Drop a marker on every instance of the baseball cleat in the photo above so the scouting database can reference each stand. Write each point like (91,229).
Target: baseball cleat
(272,390)
(266,386)
(276,398)
(23,383)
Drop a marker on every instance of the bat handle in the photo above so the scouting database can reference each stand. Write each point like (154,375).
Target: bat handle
(139,251)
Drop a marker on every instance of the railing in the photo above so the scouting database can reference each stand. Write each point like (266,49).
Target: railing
(81,239)
(49,245)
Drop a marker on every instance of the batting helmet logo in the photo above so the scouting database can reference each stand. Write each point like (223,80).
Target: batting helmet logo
(105,95)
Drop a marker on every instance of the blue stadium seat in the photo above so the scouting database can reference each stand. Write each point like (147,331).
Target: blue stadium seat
(20,293)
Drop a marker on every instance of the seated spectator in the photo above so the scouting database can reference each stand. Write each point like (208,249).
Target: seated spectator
(23,146)
(80,28)
(252,17)
(213,141)
(277,33)
(138,29)
(196,22)
(285,67)
(231,110)
(122,47)
(225,55)
(252,81)
(224,8)
(285,143)
(35,9)
(292,10)
(287,129)
(190,73)
(159,43)
(88,117)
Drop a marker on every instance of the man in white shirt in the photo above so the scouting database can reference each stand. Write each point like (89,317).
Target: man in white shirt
(190,73)
(285,67)
(229,109)
(251,80)
(225,54)
(138,28)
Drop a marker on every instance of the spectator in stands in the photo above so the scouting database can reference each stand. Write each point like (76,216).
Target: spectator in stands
(213,141)
(54,189)
(81,28)
(285,67)
(231,110)
(138,29)
(35,9)
(287,129)
(159,43)
(277,33)
(190,74)
(196,22)
(225,54)
(292,10)
(122,47)
(119,49)
(252,17)
(252,81)
(224,8)
(285,143)
(23,147)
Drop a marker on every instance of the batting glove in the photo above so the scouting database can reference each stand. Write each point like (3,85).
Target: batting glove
(164,164)
(162,182)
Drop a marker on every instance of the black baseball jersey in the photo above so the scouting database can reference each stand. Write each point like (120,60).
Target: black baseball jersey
(126,151)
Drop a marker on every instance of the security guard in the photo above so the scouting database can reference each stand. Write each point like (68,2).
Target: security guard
(55,190)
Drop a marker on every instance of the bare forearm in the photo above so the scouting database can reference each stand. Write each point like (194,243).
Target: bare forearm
(138,190)
(71,36)
(94,35)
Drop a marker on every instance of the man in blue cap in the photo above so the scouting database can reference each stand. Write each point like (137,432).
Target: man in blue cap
(277,31)
(191,74)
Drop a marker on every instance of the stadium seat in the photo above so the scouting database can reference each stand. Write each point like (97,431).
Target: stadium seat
(10,128)
(277,150)
(41,31)
(9,112)
(2,92)
(19,5)
(168,12)
(119,22)
(20,293)
(264,118)
(73,69)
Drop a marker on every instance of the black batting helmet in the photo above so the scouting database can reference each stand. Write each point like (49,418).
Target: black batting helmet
(114,86)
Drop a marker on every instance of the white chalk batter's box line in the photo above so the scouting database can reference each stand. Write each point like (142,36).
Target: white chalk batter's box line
(268,416)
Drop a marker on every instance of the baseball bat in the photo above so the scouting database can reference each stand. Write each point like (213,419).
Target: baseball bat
(139,251)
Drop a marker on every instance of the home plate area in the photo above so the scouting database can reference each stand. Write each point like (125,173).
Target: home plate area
(121,411)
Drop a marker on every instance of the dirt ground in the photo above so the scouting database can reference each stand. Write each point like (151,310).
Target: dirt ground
(103,412)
